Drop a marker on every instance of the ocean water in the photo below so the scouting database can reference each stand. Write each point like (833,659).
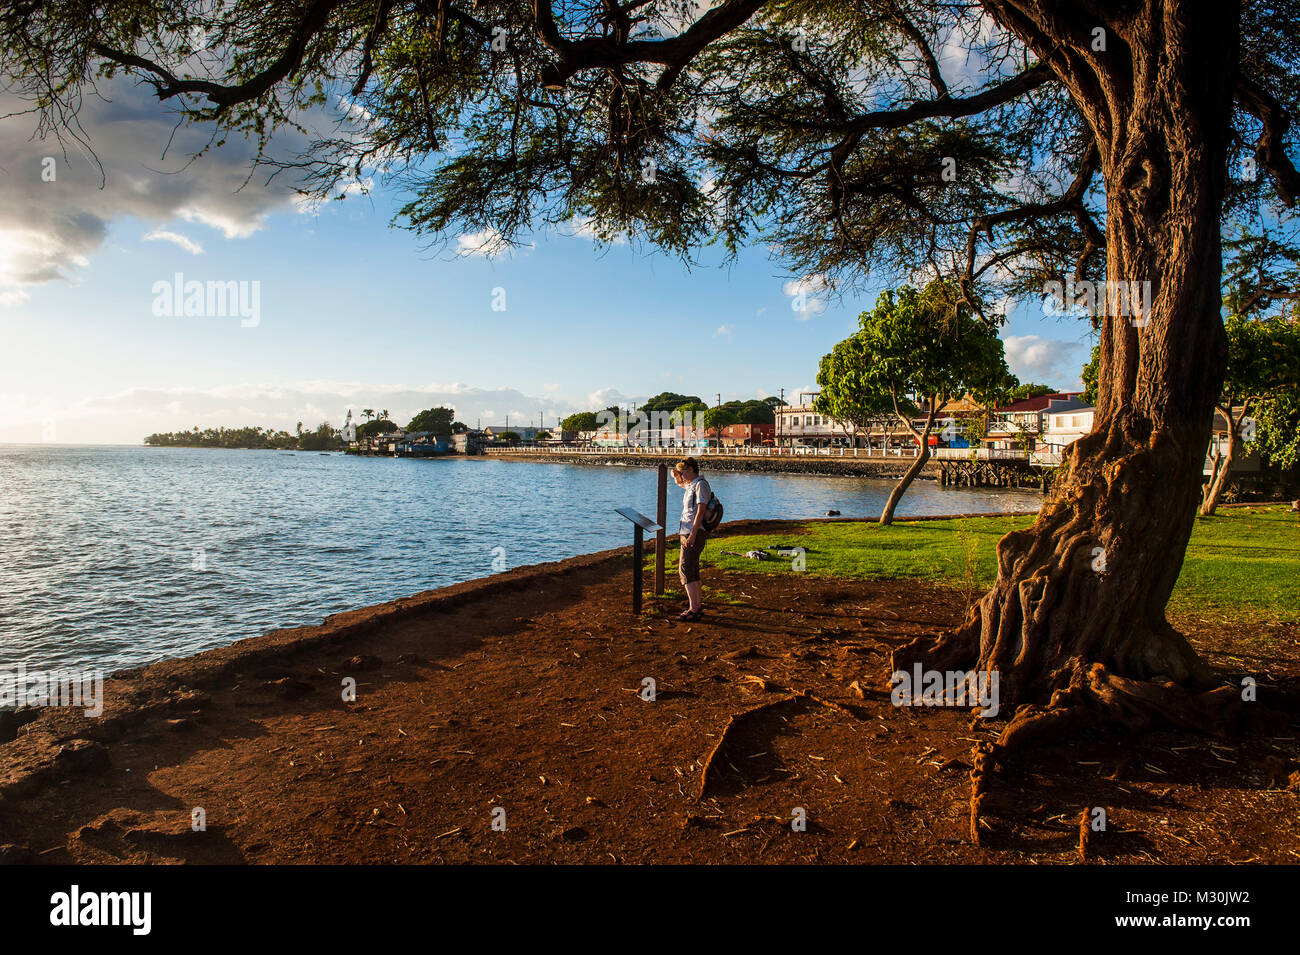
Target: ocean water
(116,556)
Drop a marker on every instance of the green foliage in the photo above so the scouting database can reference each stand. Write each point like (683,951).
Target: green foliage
(718,418)
(1030,390)
(847,391)
(1263,358)
(511,436)
(1089,376)
(1277,435)
(435,420)
(926,344)
(669,401)
(582,421)
(376,427)
(323,438)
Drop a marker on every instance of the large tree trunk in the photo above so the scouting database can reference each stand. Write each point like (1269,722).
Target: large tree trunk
(1088,582)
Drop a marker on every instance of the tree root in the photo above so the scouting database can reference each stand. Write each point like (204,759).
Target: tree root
(1096,698)
(798,696)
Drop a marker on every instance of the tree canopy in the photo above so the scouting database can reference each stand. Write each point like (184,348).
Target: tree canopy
(436,420)
(923,344)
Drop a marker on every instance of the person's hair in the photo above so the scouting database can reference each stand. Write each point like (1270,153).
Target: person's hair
(685,463)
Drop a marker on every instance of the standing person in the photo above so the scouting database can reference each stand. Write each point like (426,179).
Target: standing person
(695,504)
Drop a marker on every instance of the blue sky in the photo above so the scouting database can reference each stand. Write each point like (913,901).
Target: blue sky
(355,313)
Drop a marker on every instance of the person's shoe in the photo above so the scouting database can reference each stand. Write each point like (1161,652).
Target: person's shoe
(690,615)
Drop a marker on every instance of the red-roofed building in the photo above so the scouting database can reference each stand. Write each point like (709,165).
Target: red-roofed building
(1025,421)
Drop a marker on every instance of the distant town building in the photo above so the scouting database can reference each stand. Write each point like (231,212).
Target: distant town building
(751,435)
(468,442)
(1021,425)
(528,433)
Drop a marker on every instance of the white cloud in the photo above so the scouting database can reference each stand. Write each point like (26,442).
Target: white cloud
(584,228)
(805,295)
(1049,361)
(488,242)
(184,241)
(49,227)
(723,330)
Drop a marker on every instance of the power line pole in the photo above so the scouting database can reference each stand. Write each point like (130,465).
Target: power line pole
(779,416)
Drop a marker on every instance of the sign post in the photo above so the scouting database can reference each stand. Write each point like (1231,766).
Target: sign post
(661,517)
(640,524)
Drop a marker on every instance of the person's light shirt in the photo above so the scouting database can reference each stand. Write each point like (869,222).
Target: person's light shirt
(695,495)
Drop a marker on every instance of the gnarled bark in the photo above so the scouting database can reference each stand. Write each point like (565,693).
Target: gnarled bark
(1088,582)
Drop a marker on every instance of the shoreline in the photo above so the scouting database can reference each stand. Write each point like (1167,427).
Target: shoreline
(57,739)
(522,693)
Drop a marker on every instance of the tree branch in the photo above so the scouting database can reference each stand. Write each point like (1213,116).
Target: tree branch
(1270,148)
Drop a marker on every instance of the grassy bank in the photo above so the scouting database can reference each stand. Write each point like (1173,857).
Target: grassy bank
(1242,563)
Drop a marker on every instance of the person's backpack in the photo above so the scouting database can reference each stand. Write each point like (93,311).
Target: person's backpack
(712,514)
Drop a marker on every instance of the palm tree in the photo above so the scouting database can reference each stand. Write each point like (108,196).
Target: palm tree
(367,413)
(384,414)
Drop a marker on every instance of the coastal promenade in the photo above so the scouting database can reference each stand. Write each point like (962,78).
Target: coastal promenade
(947,465)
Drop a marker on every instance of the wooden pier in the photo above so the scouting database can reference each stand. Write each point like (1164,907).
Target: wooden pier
(985,467)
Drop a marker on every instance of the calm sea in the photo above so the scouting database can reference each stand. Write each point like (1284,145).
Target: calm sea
(116,556)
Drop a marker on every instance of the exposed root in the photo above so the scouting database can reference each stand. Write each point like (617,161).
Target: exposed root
(1085,829)
(981,766)
(799,696)
(1097,698)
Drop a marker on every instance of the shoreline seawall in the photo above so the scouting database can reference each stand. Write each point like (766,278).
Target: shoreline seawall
(792,464)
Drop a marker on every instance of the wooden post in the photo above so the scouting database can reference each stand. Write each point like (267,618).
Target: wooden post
(661,543)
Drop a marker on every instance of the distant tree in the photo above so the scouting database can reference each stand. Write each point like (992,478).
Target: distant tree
(1029,390)
(435,420)
(299,431)
(847,394)
(928,344)
(751,412)
(511,436)
(668,401)
(378,426)
(773,402)
(715,419)
(367,413)
(459,427)
(581,421)
(1089,377)
(542,436)
(1263,362)
(1277,435)
(323,438)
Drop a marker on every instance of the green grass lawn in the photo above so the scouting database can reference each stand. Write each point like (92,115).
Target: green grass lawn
(1243,563)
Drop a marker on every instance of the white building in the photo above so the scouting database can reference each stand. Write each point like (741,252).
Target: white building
(1062,429)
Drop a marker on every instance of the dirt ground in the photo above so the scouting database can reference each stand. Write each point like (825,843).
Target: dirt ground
(521,702)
